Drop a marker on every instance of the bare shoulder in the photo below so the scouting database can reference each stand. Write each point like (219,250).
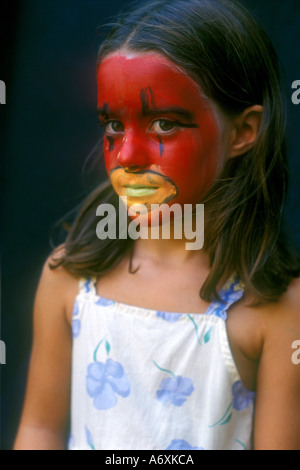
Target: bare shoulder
(46,406)
(283,316)
(258,324)
(277,323)
(278,406)
(257,334)
(57,288)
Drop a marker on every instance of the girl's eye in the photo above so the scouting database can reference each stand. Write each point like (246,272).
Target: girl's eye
(113,127)
(162,126)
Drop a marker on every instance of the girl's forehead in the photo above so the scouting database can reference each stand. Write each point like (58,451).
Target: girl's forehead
(149,61)
(131,73)
(150,82)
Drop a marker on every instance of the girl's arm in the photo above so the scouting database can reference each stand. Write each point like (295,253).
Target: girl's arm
(277,417)
(45,414)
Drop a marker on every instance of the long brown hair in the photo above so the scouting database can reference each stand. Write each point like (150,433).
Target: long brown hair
(221,46)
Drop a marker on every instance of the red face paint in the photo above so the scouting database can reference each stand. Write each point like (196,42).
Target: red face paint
(162,137)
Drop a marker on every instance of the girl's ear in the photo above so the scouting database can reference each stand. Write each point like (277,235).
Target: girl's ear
(244,131)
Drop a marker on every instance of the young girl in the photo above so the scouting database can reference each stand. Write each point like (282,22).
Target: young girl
(189,99)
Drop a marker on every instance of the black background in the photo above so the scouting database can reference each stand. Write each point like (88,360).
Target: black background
(49,127)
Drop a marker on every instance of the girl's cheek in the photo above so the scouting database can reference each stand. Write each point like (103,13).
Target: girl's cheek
(110,152)
(183,155)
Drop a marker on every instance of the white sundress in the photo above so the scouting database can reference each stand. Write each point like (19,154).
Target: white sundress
(150,380)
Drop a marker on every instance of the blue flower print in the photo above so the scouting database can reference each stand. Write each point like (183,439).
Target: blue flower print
(242,397)
(89,438)
(104,381)
(176,390)
(71,442)
(168,316)
(231,292)
(76,324)
(87,285)
(180,444)
(75,309)
(218,309)
(104,302)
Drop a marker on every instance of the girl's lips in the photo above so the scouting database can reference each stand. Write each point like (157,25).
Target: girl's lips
(139,191)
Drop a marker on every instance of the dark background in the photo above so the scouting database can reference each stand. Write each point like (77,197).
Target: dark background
(49,127)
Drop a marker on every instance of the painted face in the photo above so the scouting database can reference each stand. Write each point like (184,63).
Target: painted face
(162,137)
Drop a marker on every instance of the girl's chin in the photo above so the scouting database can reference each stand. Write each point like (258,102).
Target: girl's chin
(162,215)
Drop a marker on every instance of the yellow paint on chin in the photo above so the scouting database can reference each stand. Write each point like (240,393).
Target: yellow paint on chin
(145,188)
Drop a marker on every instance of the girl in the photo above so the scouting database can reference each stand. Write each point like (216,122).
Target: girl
(189,100)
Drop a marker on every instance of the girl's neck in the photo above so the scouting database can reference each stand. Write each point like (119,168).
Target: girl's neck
(168,252)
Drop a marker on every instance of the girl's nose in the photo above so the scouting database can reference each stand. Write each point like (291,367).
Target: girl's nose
(133,154)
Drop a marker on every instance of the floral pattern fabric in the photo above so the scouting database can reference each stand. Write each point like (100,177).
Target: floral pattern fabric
(145,379)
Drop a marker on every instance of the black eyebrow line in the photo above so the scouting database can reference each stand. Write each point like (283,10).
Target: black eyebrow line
(173,110)
(103,110)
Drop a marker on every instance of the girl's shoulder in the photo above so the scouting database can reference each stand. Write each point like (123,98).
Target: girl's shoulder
(285,313)
(259,333)
(278,315)
(281,325)
(58,285)
(277,402)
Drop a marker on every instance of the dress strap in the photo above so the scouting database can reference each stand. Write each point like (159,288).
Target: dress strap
(87,285)
(231,292)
